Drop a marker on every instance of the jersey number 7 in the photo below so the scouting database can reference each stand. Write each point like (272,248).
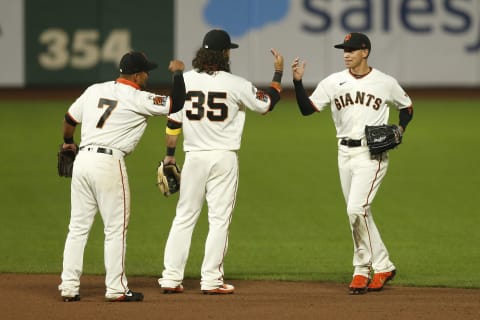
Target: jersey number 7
(111,104)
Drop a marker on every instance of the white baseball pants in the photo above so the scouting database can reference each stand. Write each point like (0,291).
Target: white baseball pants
(212,175)
(99,183)
(360,178)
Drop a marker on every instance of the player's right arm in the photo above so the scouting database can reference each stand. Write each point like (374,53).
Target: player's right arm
(178,93)
(153,104)
(303,101)
(172,133)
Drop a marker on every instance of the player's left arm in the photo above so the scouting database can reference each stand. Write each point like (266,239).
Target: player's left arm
(265,100)
(403,103)
(276,85)
(274,93)
(69,126)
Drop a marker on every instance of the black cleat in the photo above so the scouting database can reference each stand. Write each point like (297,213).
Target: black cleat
(357,291)
(71,299)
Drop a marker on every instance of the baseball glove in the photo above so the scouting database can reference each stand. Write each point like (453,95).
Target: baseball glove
(65,158)
(382,138)
(168,178)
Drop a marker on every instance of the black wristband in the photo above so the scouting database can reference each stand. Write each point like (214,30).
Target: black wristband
(170,151)
(277,76)
(68,140)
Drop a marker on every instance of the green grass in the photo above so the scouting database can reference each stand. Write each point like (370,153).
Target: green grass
(290,221)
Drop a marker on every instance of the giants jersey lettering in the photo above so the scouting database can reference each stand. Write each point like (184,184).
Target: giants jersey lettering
(356,103)
(214,113)
(114,114)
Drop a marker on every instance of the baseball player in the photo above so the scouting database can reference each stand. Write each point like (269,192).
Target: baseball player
(358,96)
(114,116)
(212,121)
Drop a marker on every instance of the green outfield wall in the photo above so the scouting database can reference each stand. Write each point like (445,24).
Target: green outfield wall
(77,42)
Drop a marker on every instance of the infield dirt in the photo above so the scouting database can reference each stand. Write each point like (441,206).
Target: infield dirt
(37,297)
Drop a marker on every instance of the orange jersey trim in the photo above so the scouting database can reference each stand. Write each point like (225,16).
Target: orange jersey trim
(128,83)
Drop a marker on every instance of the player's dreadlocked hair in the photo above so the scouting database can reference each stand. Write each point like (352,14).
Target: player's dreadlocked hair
(211,61)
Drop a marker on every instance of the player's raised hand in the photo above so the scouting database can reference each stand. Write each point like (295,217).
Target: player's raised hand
(298,69)
(176,65)
(278,60)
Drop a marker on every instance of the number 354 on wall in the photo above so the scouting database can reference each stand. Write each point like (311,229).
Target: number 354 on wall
(82,50)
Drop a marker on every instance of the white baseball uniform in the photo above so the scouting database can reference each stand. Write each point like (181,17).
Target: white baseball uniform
(212,122)
(356,102)
(114,117)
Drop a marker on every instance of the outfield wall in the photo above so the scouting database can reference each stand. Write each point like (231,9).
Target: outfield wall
(71,43)
(423,43)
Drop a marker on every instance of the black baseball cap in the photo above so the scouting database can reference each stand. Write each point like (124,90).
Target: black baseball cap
(135,61)
(218,40)
(355,40)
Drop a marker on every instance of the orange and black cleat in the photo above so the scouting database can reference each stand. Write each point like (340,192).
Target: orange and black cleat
(359,284)
(381,279)
(177,289)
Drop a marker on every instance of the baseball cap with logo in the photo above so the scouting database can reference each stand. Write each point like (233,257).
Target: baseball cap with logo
(355,41)
(218,40)
(134,62)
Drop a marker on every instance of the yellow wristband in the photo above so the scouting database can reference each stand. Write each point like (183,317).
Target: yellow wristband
(173,132)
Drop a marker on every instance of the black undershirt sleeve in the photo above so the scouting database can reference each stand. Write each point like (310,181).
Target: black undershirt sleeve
(173,125)
(178,92)
(405,116)
(274,96)
(69,120)
(304,103)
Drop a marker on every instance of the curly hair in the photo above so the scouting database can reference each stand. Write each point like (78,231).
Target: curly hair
(210,61)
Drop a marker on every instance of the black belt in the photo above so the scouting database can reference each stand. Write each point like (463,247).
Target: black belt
(351,142)
(99,150)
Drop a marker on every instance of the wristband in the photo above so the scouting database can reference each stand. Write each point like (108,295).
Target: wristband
(170,151)
(68,140)
(277,76)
